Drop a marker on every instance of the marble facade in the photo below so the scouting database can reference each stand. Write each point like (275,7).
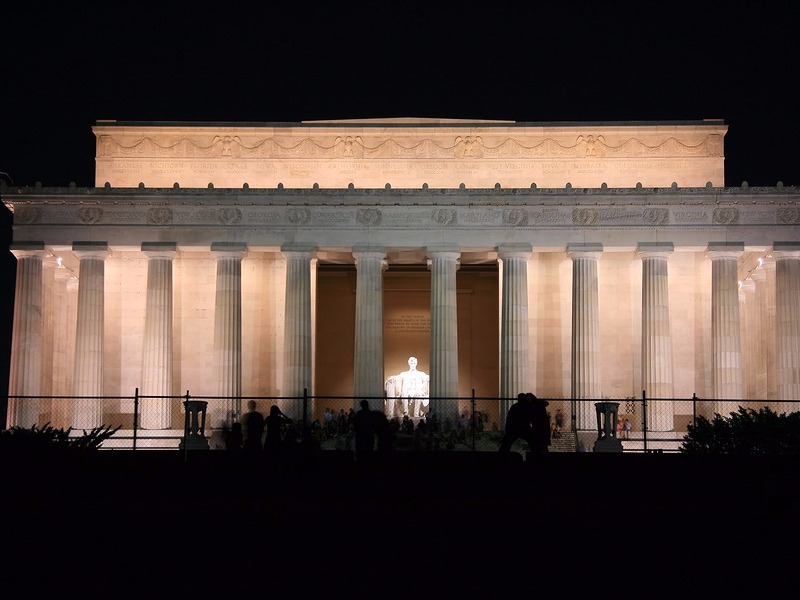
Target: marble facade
(573,260)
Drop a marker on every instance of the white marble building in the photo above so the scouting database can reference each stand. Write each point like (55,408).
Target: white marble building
(577,260)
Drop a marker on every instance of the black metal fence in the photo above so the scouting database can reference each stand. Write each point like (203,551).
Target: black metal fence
(461,424)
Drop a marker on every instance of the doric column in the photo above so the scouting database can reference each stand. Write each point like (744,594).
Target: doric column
(227,333)
(770,335)
(156,412)
(759,277)
(368,359)
(63,342)
(443,262)
(297,327)
(726,350)
(49,266)
(89,332)
(657,375)
(585,331)
(25,378)
(787,322)
(747,298)
(514,361)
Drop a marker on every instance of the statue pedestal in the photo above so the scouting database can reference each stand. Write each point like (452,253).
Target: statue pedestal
(194,427)
(607,427)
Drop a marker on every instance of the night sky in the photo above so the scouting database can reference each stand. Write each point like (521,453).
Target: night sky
(66,65)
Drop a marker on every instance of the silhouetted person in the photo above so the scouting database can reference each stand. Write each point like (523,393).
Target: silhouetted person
(384,431)
(540,424)
(253,425)
(274,423)
(518,424)
(364,425)
(233,438)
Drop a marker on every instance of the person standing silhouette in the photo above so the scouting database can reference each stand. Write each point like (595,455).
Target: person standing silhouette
(518,424)
(364,425)
(253,426)
(274,423)
(540,425)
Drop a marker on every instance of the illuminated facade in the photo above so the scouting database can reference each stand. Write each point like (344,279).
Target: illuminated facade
(577,260)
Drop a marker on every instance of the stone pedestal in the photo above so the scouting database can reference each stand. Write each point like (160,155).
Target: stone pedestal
(89,335)
(585,329)
(25,377)
(606,414)
(194,437)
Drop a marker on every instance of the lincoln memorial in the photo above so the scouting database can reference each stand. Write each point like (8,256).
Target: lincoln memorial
(277,260)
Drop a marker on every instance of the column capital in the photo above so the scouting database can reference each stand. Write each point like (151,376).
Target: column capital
(160,249)
(27,249)
(97,250)
(299,250)
(785,250)
(444,249)
(505,251)
(721,250)
(768,263)
(590,251)
(368,252)
(369,248)
(654,250)
(228,250)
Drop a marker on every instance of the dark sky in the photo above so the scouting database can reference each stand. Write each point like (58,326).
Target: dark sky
(66,65)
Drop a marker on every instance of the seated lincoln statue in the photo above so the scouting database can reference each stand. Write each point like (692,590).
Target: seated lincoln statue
(411,387)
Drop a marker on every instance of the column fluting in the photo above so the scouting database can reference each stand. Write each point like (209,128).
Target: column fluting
(585,375)
(770,334)
(657,366)
(89,335)
(787,323)
(726,350)
(514,343)
(156,387)
(368,359)
(25,377)
(297,327)
(227,333)
(759,277)
(444,263)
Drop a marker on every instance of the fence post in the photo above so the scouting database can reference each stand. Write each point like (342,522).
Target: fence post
(574,417)
(644,420)
(305,412)
(135,416)
(474,442)
(694,409)
(186,427)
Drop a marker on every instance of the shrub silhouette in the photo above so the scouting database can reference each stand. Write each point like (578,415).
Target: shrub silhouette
(49,439)
(746,431)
